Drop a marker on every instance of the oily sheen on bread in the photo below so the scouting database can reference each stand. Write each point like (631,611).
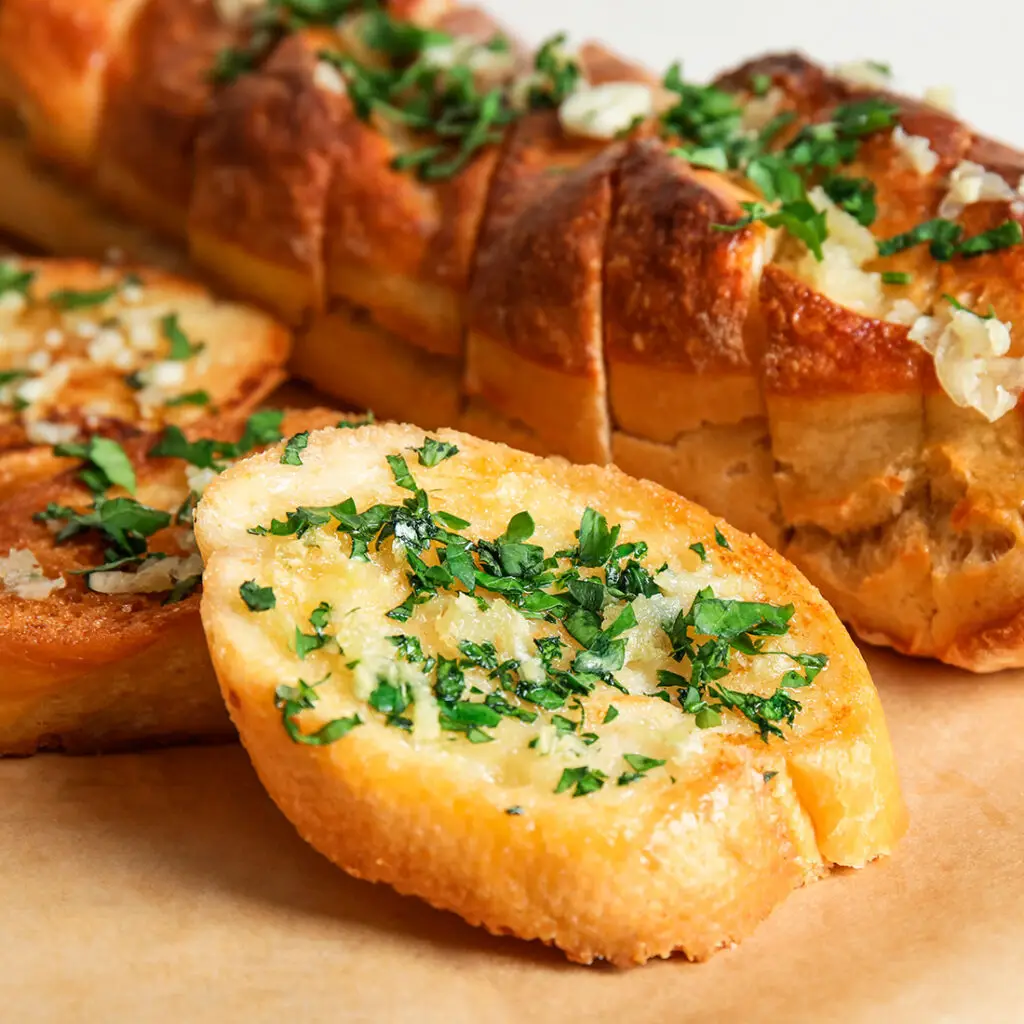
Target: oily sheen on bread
(89,349)
(678,278)
(98,661)
(577,751)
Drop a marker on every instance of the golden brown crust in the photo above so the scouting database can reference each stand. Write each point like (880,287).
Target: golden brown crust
(621,875)
(536,288)
(400,246)
(263,164)
(158,91)
(42,210)
(86,671)
(55,54)
(816,346)
(679,296)
(807,86)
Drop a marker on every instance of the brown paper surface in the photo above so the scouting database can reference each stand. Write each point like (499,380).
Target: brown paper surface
(165,886)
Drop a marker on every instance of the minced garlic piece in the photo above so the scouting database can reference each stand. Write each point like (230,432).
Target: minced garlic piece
(603,111)
(971,362)
(916,150)
(488,66)
(863,73)
(327,77)
(970,183)
(50,433)
(940,96)
(154,575)
(759,110)
(22,575)
(839,274)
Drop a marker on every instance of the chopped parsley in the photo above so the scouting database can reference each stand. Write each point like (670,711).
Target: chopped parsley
(123,524)
(896,277)
(432,451)
(721,540)
(181,347)
(291,701)
(262,428)
(106,464)
(67,299)
(183,588)
(945,239)
(514,811)
(14,279)
(306,643)
(699,550)
(356,424)
(294,446)
(958,305)
(257,598)
(582,781)
(189,398)
(586,591)
(639,767)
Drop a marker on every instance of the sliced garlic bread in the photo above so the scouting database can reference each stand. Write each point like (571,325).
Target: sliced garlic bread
(636,735)
(98,660)
(91,349)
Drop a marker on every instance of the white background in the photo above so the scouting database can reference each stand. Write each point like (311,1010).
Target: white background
(976,46)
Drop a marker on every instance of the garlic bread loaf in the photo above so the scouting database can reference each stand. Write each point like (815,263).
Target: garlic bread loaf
(87,349)
(562,703)
(100,636)
(565,252)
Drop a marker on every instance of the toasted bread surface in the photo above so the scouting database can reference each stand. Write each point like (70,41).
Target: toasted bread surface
(400,770)
(88,670)
(88,348)
(567,287)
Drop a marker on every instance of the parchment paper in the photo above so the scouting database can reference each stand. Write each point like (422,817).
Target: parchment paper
(165,886)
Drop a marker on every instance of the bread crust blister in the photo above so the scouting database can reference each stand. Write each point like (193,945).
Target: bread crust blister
(688,857)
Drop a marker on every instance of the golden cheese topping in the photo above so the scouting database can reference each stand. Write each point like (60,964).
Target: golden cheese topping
(541,642)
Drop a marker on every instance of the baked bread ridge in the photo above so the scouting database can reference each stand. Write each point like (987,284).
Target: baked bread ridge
(793,84)
(85,671)
(691,856)
(95,349)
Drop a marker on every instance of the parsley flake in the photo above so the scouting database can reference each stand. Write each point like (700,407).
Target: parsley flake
(257,598)
(291,456)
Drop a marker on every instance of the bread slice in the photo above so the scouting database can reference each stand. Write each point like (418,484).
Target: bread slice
(527,795)
(535,341)
(87,671)
(87,348)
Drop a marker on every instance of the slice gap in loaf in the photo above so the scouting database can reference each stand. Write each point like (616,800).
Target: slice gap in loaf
(636,735)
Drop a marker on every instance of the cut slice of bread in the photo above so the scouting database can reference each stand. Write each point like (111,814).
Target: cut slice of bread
(85,670)
(93,349)
(536,757)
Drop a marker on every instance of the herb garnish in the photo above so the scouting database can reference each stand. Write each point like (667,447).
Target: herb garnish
(305,643)
(181,347)
(587,590)
(586,780)
(293,700)
(294,446)
(66,299)
(106,464)
(946,240)
(432,451)
(14,279)
(639,765)
(257,598)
